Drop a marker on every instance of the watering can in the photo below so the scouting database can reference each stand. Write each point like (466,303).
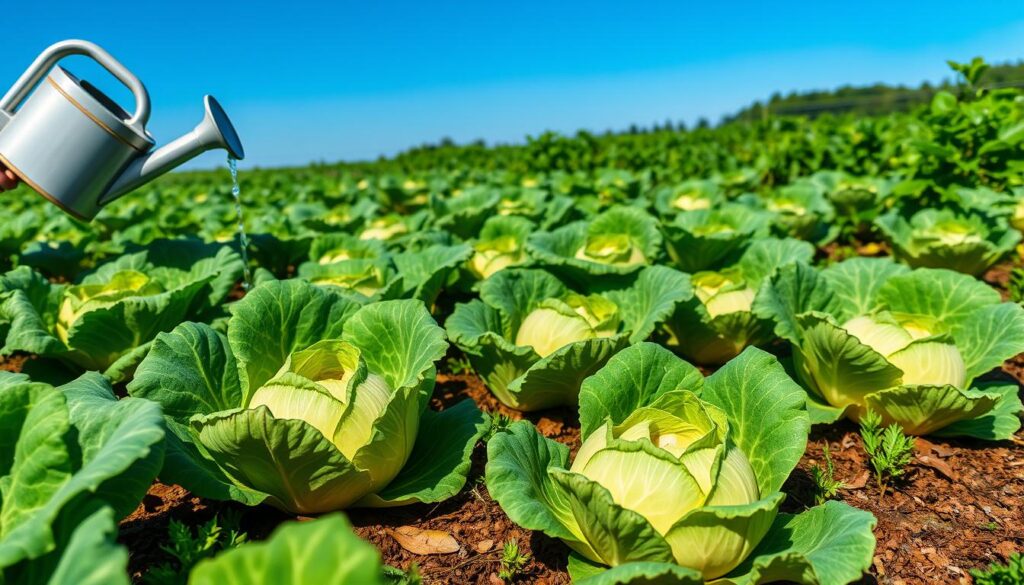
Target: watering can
(76,147)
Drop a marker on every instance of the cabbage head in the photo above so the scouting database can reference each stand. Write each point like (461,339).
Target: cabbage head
(501,244)
(678,477)
(692,195)
(943,238)
(310,403)
(107,320)
(870,334)
(709,239)
(717,323)
(367,271)
(799,210)
(533,339)
(617,242)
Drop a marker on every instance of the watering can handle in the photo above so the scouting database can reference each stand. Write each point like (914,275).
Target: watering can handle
(48,58)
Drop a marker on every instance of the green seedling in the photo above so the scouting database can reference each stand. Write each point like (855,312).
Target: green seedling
(826,486)
(890,450)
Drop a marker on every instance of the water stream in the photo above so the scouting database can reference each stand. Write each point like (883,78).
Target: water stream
(243,240)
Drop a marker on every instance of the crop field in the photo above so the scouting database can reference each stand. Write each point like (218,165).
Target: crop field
(785,349)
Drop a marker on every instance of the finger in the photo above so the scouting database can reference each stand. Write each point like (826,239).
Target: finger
(8,180)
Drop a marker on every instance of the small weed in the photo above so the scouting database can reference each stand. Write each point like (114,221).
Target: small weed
(512,561)
(396,576)
(826,486)
(188,548)
(458,365)
(890,450)
(1012,573)
(499,423)
(1016,285)
(990,526)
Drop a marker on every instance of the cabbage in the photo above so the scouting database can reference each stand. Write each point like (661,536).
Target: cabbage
(677,479)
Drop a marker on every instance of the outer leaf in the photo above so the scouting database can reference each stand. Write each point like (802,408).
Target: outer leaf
(555,380)
(650,300)
(91,557)
(400,341)
(97,452)
(856,283)
(794,289)
(516,292)
(992,335)
(584,572)
(947,296)
(830,544)
(634,377)
(997,424)
(766,255)
(615,534)
(189,370)
(837,366)
(277,318)
(517,477)
(324,551)
(286,458)
(921,410)
(440,460)
(767,417)
(715,539)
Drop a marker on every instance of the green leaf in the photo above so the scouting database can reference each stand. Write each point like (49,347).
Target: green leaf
(992,335)
(634,377)
(86,553)
(278,318)
(999,423)
(75,450)
(768,420)
(615,535)
(518,461)
(425,272)
(190,370)
(794,289)
(324,551)
(856,283)
(286,458)
(766,255)
(650,300)
(837,366)
(948,297)
(92,556)
(584,572)
(830,544)
(715,539)
(120,442)
(922,410)
(555,380)
(400,341)
(516,292)
(440,460)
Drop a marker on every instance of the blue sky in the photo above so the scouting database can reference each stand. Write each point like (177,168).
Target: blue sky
(307,81)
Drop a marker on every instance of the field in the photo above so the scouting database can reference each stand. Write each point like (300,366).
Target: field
(773,350)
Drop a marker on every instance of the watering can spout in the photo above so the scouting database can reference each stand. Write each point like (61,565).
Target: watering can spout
(215,131)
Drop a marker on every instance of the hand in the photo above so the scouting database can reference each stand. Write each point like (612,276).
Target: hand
(8,180)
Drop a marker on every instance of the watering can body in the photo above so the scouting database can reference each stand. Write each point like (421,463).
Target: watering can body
(76,147)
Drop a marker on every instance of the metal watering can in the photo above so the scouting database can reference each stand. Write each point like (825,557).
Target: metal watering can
(76,147)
